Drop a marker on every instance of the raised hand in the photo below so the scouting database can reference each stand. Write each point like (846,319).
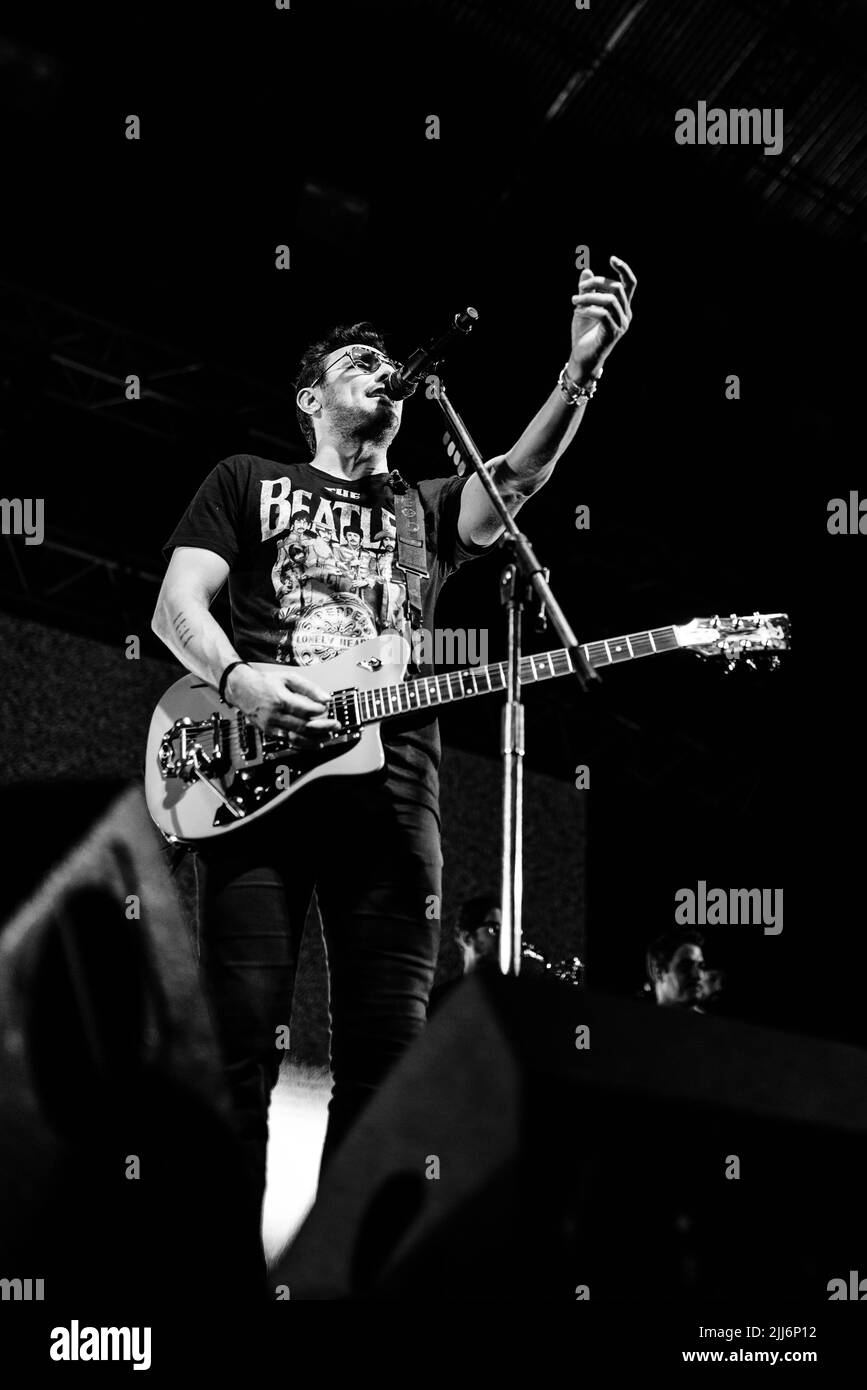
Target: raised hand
(603,313)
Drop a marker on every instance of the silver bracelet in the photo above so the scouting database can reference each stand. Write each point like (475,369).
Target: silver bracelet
(572,392)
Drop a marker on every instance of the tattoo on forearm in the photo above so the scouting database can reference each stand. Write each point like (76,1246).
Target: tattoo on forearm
(183,630)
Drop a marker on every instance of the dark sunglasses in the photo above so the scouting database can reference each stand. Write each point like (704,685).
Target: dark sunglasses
(366,359)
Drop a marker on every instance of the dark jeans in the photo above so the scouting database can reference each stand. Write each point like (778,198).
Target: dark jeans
(377,876)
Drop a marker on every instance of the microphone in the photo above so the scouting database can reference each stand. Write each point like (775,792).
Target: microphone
(404,381)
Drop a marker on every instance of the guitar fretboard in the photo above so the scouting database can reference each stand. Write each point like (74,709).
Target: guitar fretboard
(426,691)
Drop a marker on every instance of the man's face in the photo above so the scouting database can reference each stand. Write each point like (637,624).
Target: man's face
(683,983)
(483,941)
(354,404)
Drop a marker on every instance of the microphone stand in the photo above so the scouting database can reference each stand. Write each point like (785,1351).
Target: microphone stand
(523,580)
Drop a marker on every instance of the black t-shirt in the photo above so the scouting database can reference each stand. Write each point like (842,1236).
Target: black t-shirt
(313,570)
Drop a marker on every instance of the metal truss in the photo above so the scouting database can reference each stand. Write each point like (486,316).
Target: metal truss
(62,582)
(89,359)
(81,363)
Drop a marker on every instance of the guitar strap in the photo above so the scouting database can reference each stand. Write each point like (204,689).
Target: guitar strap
(411,548)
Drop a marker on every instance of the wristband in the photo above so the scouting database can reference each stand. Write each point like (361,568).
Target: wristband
(227,673)
(572,392)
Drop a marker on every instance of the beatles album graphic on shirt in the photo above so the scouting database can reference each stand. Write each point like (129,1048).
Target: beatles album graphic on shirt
(334,580)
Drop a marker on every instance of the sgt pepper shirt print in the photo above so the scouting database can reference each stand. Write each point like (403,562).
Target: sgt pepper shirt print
(333,576)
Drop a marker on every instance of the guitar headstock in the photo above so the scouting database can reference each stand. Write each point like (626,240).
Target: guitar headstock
(738,638)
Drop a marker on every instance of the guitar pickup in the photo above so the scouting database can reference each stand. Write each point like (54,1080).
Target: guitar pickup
(245,743)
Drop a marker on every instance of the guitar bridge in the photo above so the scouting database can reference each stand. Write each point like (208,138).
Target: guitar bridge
(214,747)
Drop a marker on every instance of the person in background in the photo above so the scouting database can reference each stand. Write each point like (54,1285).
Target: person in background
(677,974)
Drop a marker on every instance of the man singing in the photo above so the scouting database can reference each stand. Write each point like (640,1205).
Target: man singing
(307,549)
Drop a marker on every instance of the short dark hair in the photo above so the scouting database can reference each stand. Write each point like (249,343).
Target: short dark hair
(310,364)
(472,913)
(661,951)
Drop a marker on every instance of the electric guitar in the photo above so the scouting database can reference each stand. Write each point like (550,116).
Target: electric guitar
(209,770)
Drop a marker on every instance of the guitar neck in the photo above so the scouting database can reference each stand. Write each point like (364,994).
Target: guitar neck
(426,692)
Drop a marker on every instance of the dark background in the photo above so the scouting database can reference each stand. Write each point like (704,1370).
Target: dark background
(307,127)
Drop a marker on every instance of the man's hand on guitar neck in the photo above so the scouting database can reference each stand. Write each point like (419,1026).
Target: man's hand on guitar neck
(276,697)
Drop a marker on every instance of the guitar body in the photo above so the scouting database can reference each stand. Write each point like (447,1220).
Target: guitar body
(190,811)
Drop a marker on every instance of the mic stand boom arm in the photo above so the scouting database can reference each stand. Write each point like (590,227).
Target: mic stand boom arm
(522,573)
